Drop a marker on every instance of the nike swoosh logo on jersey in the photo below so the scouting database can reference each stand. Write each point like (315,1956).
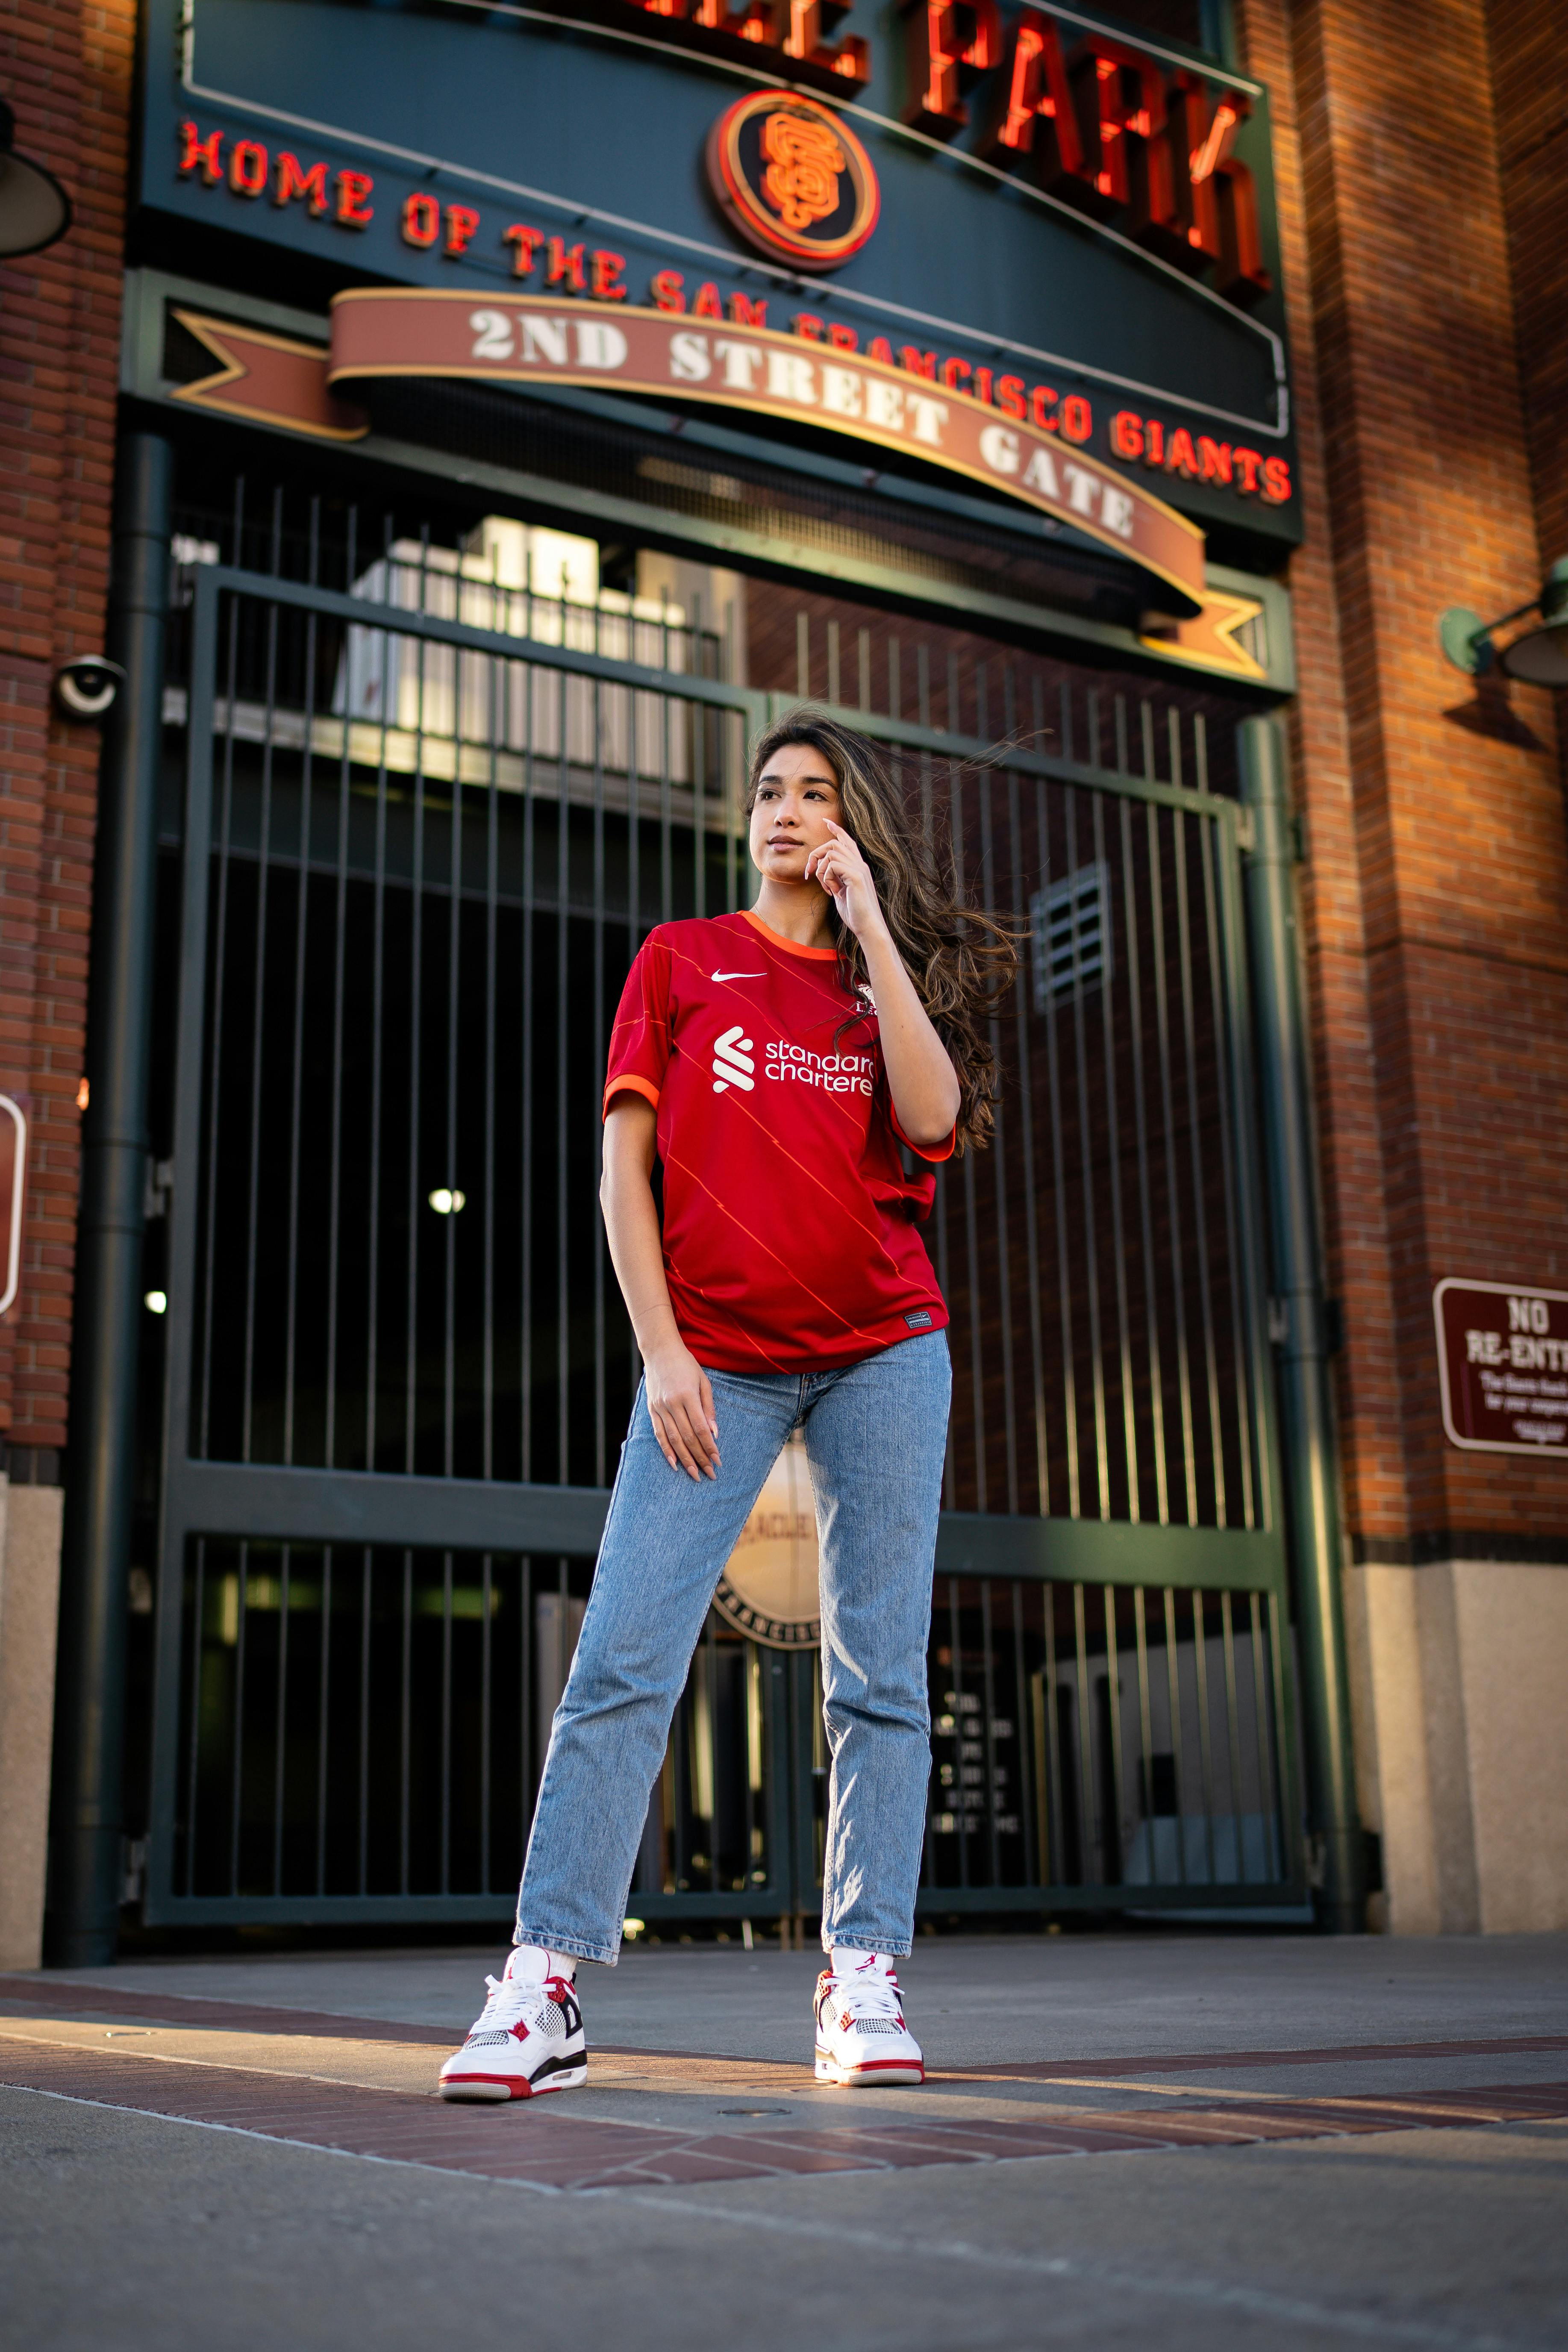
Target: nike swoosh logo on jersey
(739,975)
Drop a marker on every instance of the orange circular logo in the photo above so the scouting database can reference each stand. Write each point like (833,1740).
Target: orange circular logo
(794,178)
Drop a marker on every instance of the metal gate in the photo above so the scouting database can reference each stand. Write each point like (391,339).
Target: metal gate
(430,810)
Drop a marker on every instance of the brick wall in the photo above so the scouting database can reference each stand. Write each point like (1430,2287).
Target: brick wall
(1436,892)
(65,67)
(1529,83)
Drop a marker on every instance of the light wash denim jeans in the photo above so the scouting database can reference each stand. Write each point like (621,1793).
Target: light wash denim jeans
(875,1434)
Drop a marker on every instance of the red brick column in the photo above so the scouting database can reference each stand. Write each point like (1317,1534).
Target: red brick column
(67,69)
(1456,846)
(1418,195)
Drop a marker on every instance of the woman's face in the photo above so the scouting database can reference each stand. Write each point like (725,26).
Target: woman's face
(797,796)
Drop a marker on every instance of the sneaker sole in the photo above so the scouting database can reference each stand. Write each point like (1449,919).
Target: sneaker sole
(886,2073)
(489,2089)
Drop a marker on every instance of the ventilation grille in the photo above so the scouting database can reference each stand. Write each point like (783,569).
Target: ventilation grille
(1070,924)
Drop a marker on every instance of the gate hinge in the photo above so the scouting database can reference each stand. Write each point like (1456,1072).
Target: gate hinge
(1246,830)
(160,1190)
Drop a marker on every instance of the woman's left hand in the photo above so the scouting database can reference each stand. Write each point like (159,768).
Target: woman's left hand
(838,866)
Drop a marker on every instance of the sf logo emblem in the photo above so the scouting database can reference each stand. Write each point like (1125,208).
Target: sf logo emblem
(793,179)
(805,164)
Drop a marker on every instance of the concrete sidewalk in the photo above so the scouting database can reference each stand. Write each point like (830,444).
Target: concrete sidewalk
(1273,2141)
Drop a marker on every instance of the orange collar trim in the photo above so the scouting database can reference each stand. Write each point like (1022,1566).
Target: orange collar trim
(790,947)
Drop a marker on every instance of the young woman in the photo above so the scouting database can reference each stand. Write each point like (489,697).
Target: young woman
(776,1062)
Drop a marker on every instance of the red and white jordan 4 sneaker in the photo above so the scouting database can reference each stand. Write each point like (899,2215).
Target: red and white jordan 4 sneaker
(528,2039)
(861,2036)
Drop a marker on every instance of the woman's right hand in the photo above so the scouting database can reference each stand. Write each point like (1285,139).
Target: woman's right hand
(681,1407)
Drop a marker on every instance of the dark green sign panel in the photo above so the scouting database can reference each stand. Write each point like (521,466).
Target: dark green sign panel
(1092,248)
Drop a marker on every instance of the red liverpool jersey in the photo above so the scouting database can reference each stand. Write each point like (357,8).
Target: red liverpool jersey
(789,1224)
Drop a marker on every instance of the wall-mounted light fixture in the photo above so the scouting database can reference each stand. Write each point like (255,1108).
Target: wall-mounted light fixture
(34,208)
(86,689)
(1539,657)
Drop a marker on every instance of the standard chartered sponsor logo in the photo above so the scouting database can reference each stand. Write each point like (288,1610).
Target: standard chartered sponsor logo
(835,1073)
(732,1063)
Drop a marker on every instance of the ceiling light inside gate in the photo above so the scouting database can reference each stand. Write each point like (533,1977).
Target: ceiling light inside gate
(156,1302)
(447,1202)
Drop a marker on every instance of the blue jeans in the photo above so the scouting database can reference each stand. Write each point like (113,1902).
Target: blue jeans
(876,1435)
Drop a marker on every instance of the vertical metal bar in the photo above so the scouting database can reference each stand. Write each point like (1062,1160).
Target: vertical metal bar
(335,1148)
(200,692)
(416,1080)
(1173,1689)
(257,1026)
(525,1713)
(364,1620)
(1085,1161)
(1140,1130)
(1093,1871)
(864,688)
(988,1666)
(378,1014)
(999,1161)
(1145,1725)
(296,1043)
(562,1263)
(529,887)
(487,1674)
(1172,1201)
(498,673)
(193,1775)
(1211,846)
(1260,1716)
(1194,1143)
(323,1717)
(802,657)
(446,1723)
(1242,1062)
(236,1764)
(1113,1137)
(1058,1180)
(1113,1712)
(1278,1746)
(715,1769)
(450,1173)
(971,1206)
(1021,987)
(834,696)
(1020,1717)
(1232,1733)
(1054,1732)
(1205,1748)
(601,1428)
(281,1728)
(955,1644)
(405,1725)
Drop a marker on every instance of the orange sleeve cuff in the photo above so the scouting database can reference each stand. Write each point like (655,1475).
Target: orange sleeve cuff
(934,1151)
(632,1085)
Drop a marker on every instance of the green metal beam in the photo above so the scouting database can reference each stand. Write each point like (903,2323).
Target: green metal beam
(1110,1551)
(83,1908)
(1311,1461)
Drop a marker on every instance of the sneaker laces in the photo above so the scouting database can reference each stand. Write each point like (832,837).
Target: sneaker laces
(868,1995)
(509,2003)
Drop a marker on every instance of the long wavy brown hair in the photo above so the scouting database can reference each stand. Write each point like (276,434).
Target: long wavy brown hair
(962,960)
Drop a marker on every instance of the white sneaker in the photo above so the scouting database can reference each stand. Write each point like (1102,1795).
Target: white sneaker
(528,2040)
(861,2036)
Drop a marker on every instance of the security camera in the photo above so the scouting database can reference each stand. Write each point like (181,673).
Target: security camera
(86,689)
